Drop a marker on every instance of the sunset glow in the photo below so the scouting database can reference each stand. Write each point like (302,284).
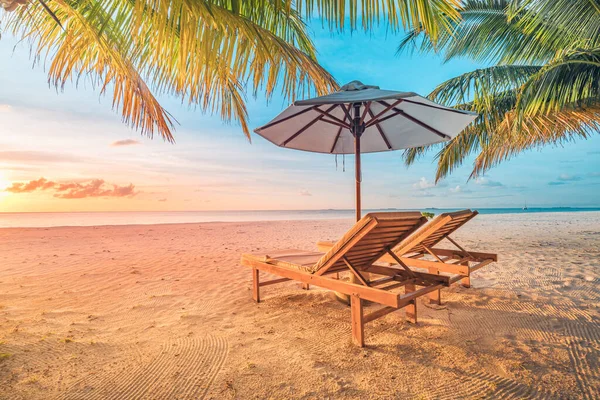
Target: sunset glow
(75,140)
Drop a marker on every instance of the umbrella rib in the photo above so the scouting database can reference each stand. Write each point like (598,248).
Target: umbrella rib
(339,132)
(305,127)
(416,121)
(334,118)
(367,109)
(380,130)
(463,112)
(334,123)
(392,115)
(347,112)
(286,118)
(374,119)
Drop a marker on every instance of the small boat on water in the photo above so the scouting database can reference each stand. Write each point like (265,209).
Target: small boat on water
(525,207)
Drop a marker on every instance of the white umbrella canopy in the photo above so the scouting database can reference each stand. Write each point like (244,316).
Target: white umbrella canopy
(392,121)
(364,119)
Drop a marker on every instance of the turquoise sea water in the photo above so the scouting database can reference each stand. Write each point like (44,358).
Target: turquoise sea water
(22,220)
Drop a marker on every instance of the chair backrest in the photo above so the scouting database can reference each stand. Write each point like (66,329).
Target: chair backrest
(434,232)
(369,238)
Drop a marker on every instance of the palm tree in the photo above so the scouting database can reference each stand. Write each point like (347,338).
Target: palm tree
(205,52)
(543,87)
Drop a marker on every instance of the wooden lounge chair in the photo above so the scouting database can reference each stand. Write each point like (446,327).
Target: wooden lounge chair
(372,237)
(419,251)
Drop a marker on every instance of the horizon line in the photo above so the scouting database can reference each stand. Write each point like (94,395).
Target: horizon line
(302,210)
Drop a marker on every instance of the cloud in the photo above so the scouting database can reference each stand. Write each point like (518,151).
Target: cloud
(165,199)
(424,184)
(594,174)
(305,192)
(5,108)
(488,182)
(95,188)
(125,142)
(31,186)
(74,190)
(564,179)
(459,189)
(568,178)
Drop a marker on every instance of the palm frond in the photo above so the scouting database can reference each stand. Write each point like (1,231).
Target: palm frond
(498,133)
(482,83)
(488,31)
(83,49)
(434,17)
(560,23)
(206,53)
(572,80)
(534,132)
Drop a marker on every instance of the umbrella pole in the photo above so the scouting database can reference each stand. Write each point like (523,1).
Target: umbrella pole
(357,176)
(356,132)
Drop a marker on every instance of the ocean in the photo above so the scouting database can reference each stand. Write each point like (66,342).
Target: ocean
(50,219)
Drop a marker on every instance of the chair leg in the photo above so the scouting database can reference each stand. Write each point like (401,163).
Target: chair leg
(411,309)
(358,326)
(466,281)
(305,286)
(255,285)
(435,297)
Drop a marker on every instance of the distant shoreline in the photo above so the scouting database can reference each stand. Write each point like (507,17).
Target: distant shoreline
(118,218)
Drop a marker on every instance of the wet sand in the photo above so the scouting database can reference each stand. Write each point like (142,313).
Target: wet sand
(165,312)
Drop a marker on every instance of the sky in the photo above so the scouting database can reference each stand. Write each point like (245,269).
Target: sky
(69,151)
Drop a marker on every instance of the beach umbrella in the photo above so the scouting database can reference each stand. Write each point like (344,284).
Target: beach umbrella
(364,119)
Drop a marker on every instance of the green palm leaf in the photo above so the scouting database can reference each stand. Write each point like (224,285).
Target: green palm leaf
(520,106)
(208,53)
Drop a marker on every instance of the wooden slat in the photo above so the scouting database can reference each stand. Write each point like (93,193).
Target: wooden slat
(400,262)
(273,282)
(392,223)
(355,272)
(363,251)
(480,265)
(418,263)
(365,292)
(407,298)
(423,276)
(378,314)
(382,236)
(407,223)
(454,253)
(381,281)
(399,284)
(422,234)
(351,243)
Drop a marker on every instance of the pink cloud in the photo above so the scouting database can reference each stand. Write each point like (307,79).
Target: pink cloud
(25,187)
(75,190)
(125,142)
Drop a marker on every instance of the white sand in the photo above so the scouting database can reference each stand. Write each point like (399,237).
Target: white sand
(165,312)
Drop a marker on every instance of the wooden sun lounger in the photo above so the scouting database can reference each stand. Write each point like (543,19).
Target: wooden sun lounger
(374,236)
(419,251)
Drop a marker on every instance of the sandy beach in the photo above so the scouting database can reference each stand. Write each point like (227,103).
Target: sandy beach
(165,312)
